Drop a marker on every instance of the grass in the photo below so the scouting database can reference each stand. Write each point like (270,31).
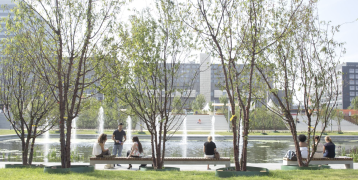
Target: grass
(38,174)
(224,133)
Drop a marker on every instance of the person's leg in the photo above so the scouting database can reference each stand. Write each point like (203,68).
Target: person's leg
(208,167)
(120,148)
(115,147)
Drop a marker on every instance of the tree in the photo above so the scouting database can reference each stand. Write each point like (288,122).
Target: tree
(28,101)
(68,35)
(199,103)
(145,75)
(305,63)
(338,116)
(238,33)
(223,99)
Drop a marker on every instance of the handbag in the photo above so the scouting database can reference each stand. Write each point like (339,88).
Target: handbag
(216,155)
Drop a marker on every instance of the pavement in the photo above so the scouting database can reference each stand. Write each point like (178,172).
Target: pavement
(269,166)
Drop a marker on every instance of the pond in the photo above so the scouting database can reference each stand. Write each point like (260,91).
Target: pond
(259,151)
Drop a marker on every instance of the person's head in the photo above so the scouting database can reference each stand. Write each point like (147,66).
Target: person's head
(328,139)
(210,138)
(302,138)
(102,138)
(136,139)
(120,126)
(316,138)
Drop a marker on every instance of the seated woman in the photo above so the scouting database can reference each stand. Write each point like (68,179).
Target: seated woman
(329,149)
(136,150)
(319,148)
(98,148)
(303,145)
(209,149)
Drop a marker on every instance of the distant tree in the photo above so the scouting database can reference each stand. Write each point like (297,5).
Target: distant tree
(200,101)
(29,104)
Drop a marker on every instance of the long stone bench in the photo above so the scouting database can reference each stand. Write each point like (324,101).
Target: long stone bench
(168,160)
(347,161)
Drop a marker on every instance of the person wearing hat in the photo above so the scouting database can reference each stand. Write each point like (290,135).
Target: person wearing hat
(117,137)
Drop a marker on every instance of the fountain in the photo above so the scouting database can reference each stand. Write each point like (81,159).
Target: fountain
(100,120)
(46,144)
(185,138)
(129,128)
(74,133)
(213,128)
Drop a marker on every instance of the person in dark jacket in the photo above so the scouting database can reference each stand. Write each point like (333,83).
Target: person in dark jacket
(329,149)
(209,149)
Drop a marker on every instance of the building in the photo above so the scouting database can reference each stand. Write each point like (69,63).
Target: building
(348,84)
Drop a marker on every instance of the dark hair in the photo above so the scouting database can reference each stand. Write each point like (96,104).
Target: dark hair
(136,139)
(302,138)
(316,137)
(102,138)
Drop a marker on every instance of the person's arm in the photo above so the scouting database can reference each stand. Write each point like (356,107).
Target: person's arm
(204,149)
(125,138)
(132,149)
(324,149)
(113,137)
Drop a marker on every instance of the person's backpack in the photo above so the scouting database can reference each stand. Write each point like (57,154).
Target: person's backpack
(290,155)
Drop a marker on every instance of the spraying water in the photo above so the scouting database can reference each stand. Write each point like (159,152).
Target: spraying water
(74,133)
(100,120)
(185,138)
(129,128)
(47,144)
(213,128)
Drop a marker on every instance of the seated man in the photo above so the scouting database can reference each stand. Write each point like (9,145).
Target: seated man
(199,121)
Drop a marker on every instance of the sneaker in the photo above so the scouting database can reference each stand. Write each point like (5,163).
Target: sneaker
(118,165)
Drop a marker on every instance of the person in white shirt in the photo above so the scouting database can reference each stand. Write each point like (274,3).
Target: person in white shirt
(319,148)
(98,148)
(136,150)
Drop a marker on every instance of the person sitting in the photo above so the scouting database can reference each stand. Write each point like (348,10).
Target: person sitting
(209,149)
(329,149)
(319,148)
(199,121)
(98,148)
(303,145)
(136,150)
(99,151)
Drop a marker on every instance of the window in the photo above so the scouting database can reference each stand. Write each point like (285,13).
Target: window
(356,93)
(351,76)
(356,70)
(351,70)
(351,81)
(352,93)
(356,76)
(356,81)
(357,87)
(351,87)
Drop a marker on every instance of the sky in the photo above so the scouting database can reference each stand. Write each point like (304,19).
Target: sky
(338,12)
(343,12)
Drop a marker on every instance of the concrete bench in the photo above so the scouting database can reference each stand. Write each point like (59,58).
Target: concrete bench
(168,160)
(347,161)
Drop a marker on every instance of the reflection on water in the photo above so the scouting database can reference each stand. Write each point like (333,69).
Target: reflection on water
(259,151)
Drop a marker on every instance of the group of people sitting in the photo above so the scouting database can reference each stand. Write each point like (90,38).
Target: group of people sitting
(322,150)
(137,149)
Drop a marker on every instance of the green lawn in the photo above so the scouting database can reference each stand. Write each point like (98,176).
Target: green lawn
(279,133)
(38,174)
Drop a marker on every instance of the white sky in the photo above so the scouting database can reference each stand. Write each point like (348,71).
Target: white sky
(339,12)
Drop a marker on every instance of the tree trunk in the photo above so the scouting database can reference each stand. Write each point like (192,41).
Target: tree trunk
(236,148)
(68,142)
(32,146)
(153,152)
(245,140)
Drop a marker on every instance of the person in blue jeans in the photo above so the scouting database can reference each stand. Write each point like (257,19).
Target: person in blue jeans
(117,137)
